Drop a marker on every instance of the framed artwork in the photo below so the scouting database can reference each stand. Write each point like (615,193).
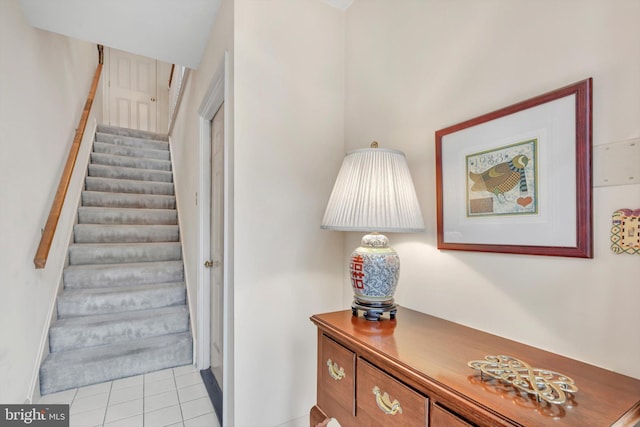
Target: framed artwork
(518,180)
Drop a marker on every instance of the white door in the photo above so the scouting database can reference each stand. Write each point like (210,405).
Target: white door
(217,242)
(132,91)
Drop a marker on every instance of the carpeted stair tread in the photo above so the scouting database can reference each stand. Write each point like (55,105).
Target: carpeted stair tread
(130,162)
(113,185)
(130,216)
(132,274)
(132,141)
(92,365)
(123,150)
(114,253)
(116,233)
(119,172)
(95,301)
(136,133)
(90,331)
(127,200)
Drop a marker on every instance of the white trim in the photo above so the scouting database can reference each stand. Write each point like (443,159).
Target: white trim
(211,102)
(204,231)
(215,96)
(228,298)
(187,279)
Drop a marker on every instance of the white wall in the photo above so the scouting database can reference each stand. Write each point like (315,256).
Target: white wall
(286,104)
(44,82)
(419,66)
(289,143)
(185,147)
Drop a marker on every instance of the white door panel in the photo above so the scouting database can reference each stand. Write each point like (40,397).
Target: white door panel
(132,91)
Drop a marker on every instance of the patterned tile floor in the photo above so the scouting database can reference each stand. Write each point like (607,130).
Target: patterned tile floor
(169,398)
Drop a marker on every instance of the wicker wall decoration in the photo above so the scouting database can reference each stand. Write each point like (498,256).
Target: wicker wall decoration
(625,231)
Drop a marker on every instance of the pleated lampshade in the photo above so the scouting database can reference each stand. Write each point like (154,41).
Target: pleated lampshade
(374,192)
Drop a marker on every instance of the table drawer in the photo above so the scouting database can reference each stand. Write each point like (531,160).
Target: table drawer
(440,417)
(337,367)
(384,401)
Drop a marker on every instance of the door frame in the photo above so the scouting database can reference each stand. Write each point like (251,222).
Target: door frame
(216,95)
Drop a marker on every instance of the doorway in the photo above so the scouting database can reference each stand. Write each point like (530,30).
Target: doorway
(214,343)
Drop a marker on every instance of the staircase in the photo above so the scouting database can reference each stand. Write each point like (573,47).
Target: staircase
(123,309)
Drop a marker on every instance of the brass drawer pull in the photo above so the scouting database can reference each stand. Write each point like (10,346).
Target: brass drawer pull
(384,402)
(335,372)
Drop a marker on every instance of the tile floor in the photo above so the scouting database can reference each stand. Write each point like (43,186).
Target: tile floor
(169,398)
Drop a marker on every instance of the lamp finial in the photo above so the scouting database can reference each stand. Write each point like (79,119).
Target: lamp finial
(374,144)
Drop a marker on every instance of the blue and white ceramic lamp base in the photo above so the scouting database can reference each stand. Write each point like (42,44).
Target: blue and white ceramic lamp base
(374,269)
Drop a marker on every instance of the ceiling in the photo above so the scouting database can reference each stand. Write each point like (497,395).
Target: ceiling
(173,31)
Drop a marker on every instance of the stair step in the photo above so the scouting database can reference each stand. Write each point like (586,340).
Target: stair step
(99,215)
(127,200)
(119,172)
(113,253)
(90,331)
(123,310)
(130,162)
(123,150)
(111,233)
(144,134)
(132,141)
(77,368)
(94,301)
(112,185)
(132,274)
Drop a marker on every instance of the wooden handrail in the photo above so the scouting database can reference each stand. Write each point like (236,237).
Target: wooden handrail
(173,68)
(42,254)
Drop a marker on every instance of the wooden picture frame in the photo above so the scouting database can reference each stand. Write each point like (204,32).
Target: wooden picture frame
(518,180)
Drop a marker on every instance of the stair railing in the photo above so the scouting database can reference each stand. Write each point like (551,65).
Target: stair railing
(176,90)
(46,240)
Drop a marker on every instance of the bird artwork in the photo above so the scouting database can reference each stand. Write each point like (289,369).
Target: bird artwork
(502,178)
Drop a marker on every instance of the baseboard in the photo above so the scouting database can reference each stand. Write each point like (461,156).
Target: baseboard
(187,276)
(214,390)
(296,422)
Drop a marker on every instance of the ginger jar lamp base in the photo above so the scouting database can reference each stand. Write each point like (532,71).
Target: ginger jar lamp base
(374,268)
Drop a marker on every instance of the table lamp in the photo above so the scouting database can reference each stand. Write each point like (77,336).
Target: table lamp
(374,193)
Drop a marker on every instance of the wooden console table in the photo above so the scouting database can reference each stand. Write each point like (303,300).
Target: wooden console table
(412,371)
